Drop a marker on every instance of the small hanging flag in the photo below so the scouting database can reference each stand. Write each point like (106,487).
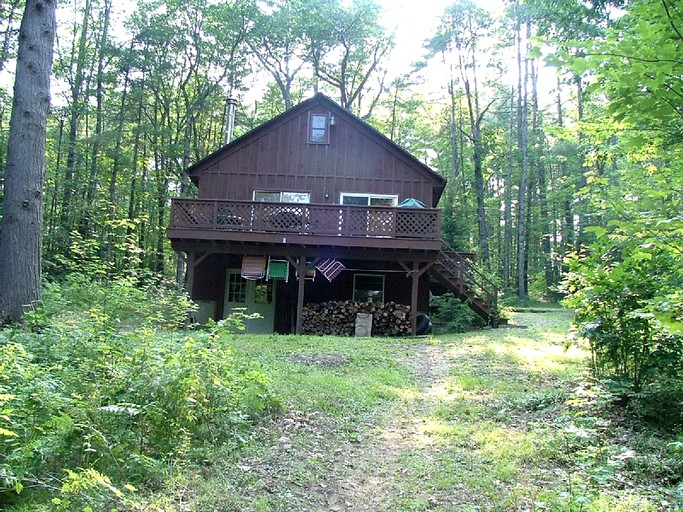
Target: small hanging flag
(330,268)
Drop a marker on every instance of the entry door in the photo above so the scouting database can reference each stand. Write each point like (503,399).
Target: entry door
(255,296)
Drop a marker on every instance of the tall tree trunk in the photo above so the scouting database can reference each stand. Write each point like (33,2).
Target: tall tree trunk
(558,103)
(522,199)
(579,211)
(507,215)
(74,120)
(132,213)
(476,117)
(21,236)
(116,165)
(542,184)
(52,215)
(162,198)
(394,105)
(567,214)
(454,130)
(480,193)
(99,124)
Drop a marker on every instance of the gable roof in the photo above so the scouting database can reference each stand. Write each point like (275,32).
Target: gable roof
(321,100)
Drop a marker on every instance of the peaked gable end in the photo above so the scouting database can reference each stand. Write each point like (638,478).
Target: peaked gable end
(318,148)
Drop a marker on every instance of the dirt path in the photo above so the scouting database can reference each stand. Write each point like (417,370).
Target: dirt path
(451,423)
(370,473)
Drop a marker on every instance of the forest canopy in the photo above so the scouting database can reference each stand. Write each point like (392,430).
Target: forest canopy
(512,106)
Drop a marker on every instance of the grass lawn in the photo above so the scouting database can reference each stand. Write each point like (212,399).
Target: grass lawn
(497,419)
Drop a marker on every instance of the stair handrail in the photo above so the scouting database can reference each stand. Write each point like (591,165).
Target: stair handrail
(474,276)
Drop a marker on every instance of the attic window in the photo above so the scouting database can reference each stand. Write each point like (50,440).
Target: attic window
(318,128)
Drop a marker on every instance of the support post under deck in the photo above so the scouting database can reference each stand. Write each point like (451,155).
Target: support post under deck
(415,274)
(301,273)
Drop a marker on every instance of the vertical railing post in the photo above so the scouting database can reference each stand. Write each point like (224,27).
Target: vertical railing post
(394,222)
(346,221)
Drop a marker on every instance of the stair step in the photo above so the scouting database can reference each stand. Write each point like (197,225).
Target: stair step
(458,274)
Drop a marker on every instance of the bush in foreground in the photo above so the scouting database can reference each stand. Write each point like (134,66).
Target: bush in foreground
(99,395)
(628,306)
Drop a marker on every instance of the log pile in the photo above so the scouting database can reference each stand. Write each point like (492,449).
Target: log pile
(339,318)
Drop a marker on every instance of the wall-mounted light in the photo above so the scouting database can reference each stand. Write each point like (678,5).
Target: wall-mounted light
(327,194)
(333,121)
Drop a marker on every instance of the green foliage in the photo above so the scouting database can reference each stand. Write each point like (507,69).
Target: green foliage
(624,297)
(601,450)
(636,65)
(128,301)
(94,397)
(626,285)
(450,314)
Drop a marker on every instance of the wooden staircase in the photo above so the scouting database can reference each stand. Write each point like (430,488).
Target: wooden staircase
(462,278)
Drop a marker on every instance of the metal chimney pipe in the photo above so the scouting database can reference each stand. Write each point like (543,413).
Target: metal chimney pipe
(230,119)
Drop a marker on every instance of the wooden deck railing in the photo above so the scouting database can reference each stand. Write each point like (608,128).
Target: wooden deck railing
(312,219)
(468,282)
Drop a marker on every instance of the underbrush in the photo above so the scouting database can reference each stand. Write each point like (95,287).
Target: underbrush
(629,309)
(106,403)
(609,460)
(103,398)
(451,314)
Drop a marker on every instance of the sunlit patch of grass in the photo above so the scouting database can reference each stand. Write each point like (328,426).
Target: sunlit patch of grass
(482,431)
(336,375)
(512,445)
(408,395)
(440,429)
(461,410)
(545,356)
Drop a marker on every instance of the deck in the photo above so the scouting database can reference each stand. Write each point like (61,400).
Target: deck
(305,224)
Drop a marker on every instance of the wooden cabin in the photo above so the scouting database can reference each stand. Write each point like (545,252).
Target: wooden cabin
(316,192)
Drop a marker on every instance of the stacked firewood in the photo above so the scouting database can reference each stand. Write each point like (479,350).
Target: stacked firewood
(339,318)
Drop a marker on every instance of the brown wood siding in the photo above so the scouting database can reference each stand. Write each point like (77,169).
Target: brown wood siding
(281,159)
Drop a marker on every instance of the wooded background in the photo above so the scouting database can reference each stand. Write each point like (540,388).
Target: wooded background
(533,172)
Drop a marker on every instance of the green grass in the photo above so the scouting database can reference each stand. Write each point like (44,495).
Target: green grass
(152,419)
(370,425)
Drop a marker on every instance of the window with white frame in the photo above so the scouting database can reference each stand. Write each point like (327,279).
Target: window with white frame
(368,288)
(278,196)
(355,199)
(318,128)
(237,288)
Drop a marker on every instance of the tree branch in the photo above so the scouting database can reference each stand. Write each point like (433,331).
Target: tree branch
(671,21)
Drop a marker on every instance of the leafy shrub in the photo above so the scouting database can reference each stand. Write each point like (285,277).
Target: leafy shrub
(86,402)
(126,302)
(660,401)
(450,314)
(624,297)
